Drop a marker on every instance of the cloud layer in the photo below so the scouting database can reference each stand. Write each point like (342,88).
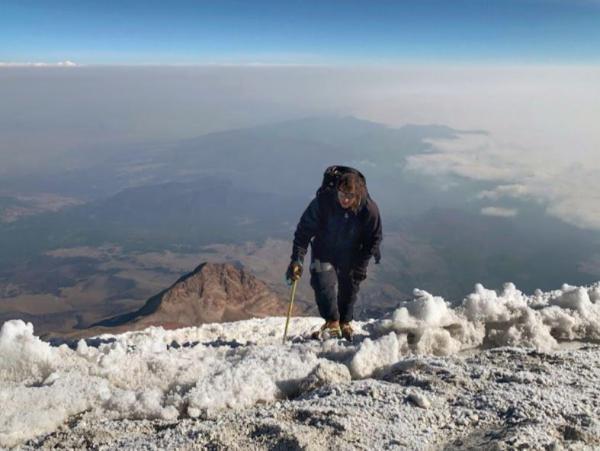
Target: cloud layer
(542,144)
(564,188)
(39,64)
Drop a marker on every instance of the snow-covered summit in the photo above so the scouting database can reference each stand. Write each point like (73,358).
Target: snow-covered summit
(190,375)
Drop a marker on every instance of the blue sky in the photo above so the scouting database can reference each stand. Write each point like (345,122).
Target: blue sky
(344,31)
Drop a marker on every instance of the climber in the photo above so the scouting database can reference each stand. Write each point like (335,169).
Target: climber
(343,226)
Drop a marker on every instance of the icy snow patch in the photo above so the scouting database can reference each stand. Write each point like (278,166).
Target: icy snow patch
(25,358)
(377,354)
(490,319)
(259,374)
(325,373)
(171,374)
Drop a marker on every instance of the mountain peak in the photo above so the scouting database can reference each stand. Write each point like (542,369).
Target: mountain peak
(212,292)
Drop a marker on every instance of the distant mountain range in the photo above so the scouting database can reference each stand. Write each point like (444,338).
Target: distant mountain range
(250,185)
(231,186)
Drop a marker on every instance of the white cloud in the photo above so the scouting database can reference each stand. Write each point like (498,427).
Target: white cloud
(39,64)
(549,113)
(567,191)
(544,140)
(515,191)
(499,211)
(473,156)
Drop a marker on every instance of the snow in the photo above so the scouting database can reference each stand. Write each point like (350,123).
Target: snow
(201,373)
(24,356)
(373,355)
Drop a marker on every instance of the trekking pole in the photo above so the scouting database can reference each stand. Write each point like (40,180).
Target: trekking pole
(289,313)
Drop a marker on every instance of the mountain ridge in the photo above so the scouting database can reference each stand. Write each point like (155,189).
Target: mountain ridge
(212,292)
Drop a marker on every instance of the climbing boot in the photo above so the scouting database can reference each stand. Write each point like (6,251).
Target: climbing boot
(346,330)
(331,329)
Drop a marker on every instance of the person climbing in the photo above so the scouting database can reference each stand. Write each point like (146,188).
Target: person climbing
(343,226)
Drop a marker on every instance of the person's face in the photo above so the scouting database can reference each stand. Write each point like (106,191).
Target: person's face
(345,198)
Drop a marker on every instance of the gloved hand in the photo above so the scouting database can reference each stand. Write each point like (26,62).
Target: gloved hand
(358,274)
(377,255)
(294,272)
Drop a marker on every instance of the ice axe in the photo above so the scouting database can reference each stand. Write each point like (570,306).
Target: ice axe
(289,313)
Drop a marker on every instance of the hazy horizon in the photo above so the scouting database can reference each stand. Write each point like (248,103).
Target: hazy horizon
(540,120)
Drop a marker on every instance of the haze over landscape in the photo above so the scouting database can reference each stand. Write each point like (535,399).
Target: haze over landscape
(155,159)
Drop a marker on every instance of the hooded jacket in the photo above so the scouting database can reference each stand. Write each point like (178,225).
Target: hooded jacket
(337,235)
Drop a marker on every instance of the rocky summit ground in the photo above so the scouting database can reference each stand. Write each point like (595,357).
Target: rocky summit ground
(501,371)
(505,398)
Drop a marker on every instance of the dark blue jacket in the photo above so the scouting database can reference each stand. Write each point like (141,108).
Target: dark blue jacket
(338,235)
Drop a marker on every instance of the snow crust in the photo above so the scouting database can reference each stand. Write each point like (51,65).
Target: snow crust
(487,319)
(196,372)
